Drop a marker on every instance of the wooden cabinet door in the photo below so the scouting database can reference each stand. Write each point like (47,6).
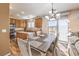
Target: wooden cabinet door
(22,23)
(17,23)
(38,22)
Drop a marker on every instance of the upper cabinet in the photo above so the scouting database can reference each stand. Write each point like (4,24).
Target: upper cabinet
(18,23)
(38,22)
(21,23)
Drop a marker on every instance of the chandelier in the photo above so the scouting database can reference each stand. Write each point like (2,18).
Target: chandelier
(53,13)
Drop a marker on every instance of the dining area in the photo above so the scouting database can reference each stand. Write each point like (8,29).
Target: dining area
(37,29)
(39,43)
(32,41)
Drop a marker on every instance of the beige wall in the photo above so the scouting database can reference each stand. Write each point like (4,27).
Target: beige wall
(74,21)
(4,23)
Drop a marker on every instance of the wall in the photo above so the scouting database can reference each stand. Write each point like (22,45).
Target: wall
(74,21)
(4,23)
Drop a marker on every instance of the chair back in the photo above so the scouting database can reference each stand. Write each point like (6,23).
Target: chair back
(24,46)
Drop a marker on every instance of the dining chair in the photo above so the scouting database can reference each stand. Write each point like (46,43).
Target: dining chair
(74,46)
(77,45)
(22,40)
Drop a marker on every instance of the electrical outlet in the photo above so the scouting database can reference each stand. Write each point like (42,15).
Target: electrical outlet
(3,30)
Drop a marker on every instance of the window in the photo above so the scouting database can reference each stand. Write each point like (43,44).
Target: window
(52,23)
(63,30)
(31,24)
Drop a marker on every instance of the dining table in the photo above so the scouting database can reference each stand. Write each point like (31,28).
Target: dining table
(42,42)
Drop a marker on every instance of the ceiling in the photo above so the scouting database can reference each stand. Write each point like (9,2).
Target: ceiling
(26,10)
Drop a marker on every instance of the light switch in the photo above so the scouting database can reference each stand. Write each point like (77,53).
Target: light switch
(3,30)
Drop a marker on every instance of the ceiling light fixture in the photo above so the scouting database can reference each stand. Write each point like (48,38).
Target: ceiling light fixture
(53,13)
(58,15)
(47,17)
(50,12)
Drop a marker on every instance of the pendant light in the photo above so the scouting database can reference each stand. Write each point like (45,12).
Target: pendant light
(53,14)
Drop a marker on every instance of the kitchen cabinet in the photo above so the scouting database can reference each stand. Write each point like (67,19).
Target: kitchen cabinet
(38,22)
